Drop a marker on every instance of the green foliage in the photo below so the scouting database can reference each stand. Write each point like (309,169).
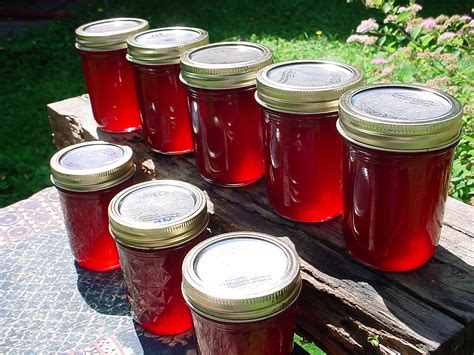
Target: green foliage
(373,340)
(307,345)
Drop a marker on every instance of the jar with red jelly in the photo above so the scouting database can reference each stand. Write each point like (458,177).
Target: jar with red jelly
(399,142)
(303,150)
(220,82)
(242,288)
(87,176)
(108,75)
(155,224)
(164,112)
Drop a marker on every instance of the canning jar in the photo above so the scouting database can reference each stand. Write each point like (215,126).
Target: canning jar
(108,75)
(155,224)
(220,82)
(399,142)
(303,150)
(161,95)
(242,289)
(87,176)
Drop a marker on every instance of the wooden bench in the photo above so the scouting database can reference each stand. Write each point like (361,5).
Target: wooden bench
(343,304)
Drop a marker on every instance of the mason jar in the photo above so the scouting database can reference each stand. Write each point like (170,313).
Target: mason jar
(220,82)
(87,176)
(242,288)
(164,111)
(302,148)
(108,75)
(399,142)
(155,224)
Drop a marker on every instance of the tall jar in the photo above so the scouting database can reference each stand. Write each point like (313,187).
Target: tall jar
(108,75)
(242,288)
(161,96)
(155,224)
(220,82)
(87,176)
(303,150)
(399,142)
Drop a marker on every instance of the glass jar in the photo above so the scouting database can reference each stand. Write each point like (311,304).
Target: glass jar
(242,289)
(303,150)
(161,96)
(220,82)
(399,142)
(155,224)
(108,75)
(87,176)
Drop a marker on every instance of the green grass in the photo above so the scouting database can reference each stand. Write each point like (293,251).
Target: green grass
(42,66)
(307,345)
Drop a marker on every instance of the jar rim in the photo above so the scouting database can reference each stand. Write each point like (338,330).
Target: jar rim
(400,117)
(225,70)
(92,178)
(167,222)
(305,86)
(108,38)
(241,295)
(165,53)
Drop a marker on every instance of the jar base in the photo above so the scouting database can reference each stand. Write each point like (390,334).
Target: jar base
(306,220)
(127,130)
(388,269)
(231,184)
(178,152)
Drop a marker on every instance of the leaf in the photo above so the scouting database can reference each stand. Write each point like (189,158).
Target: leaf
(426,40)
(403,16)
(415,32)
(382,40)
(373,340)
(387,7)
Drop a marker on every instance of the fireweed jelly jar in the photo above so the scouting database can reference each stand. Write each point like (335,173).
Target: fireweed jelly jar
(108,75)
(155,224)
(220,81)
(161,96)
(87,176)
(399,142)
(303,149)
(242,289)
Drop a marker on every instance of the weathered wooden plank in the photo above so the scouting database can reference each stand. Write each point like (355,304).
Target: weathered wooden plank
(343,302)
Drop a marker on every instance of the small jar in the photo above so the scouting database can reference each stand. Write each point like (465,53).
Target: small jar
(155,224)
(161,95)
(87,176)
(108,75)
(303,150)
(242,289)
(399,142)
(220,82)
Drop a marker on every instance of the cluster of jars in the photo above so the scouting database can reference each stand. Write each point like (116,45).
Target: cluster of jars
(379,154)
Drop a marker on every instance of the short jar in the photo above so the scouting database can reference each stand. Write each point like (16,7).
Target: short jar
(302,147)
(399,142)
(108,75)
(155,224)
(154,54)
(242,288)
(87,176)
(227,128)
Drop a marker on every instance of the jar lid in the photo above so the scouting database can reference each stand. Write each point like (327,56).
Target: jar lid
(305,86)
(224,65)
(241,276)
(164,45)
(158,214)
(400,117)
(91,166)
(110,34)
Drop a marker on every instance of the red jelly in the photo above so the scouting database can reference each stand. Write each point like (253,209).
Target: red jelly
(155,224)
(220,81)
(108,74)
(161,95)
(88,176)
(399,142)
(242,289)
(303,149)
